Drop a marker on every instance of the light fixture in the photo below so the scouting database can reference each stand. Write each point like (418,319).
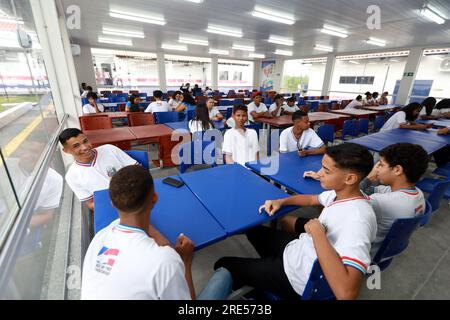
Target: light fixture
(218,51)
(273,15)
(195,1)
(122,42)
(188,40)
(307,64)
(432,15)
(232,32)
(281,40)
(394,60)
(137,17)
(376,42)
(354,62)
(334,31)
(176,47)
(323,48)
(256,55)
(124,33)
(283,52)
(243,48)
(11,20)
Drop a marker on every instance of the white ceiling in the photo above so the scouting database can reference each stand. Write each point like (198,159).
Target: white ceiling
(401,25)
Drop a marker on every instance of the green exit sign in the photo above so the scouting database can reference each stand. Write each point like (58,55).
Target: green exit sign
(408,74)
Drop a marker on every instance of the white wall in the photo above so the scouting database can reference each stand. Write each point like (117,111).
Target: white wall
(430,69)
(84,67)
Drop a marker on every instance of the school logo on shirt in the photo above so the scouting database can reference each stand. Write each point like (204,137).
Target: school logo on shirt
(106,258)
(110,171)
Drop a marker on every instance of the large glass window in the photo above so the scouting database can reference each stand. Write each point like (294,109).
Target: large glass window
(433,75)
(125,70)
(235,74)
(357,74)
(182,69)
(304,76)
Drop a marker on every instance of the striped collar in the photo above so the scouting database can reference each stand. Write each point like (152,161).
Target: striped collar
(128,229)
(347,200)
(411,192)
(89,164)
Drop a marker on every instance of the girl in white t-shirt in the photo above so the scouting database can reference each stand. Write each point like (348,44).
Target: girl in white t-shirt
(176,102)
(201,121)
(406,118)
(214,113)
(355,104)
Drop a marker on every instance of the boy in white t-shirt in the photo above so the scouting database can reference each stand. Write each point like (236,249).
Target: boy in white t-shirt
(276,107)
(240,145)
(93,167)
(290,107)
(397,197)
(340,238)
(159,105)
(301,137)
(130,259)
(256,108)
(93,106)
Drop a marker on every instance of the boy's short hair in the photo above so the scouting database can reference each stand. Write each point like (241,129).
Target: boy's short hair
(68,133)
(157,94)
(291,99)
(352,156)
(92,95)
(278,96)
(130,187)
(238,107)
(298,115)
(411,157)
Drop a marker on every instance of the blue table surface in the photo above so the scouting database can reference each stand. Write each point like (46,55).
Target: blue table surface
(233,195)
(220,125)
(437,123)
(177,211)
(429,140)
(290,171)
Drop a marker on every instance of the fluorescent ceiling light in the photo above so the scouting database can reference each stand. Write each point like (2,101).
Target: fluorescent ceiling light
(218,51)
(283,52)
(281,40)
(188,40)
(256,55)
(243,48)
(354,62)
(137,17)
(334,31)
(323,48)
(307,64)
(432,15)
(125,33)
(11,20)
(232,32)
(273,15)
(174,47)
(376,42)
(195,1)
(123,42)
(394,60)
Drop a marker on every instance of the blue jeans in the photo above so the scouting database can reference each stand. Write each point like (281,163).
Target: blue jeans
(218,287)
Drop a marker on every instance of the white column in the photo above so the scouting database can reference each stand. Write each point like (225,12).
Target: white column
(59,64)
(215,73)
(409,75)
(329,69)
(257,74)
(84,67)
(278,74)
(161,71)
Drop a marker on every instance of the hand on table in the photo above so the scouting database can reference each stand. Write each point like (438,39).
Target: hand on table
(311,174)
(302,153)
(270,206)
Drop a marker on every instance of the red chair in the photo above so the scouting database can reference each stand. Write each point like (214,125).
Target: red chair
(136,119)
(117,91)
(95,122)
(344,103)
(134,92)
(122,107)
(322,107)
(200,99)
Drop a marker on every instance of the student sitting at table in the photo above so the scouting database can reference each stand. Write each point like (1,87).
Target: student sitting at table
(256,108)
(133,104)
(159,105)
(397,197)
(383,100)
(428,111)
(290,106)
(214,113)
(368,100)
(201,121)
(176,102)
(375,98)
(131,259)
(93,167)
(405,119)
(443,107)
(240,144)
(300,137)
(355,104)
(276,108)
(93,106)
(340,238)
(86,92)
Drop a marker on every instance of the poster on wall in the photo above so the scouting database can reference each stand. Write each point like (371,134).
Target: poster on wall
(268,68)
